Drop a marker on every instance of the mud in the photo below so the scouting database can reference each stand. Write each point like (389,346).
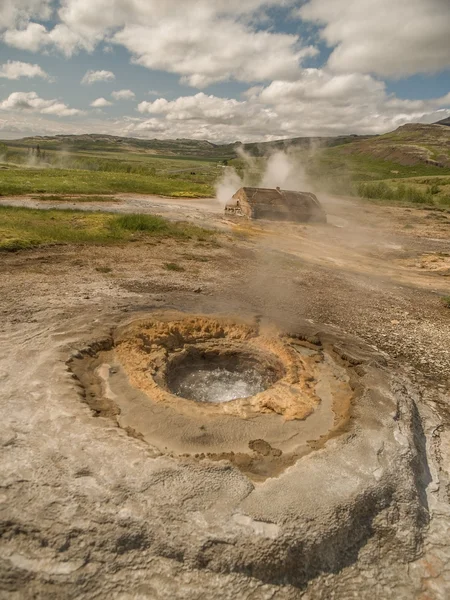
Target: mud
(96,502)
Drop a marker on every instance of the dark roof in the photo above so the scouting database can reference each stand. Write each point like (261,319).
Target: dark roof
(256,195)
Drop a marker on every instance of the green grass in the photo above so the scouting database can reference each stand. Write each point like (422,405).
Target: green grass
(22,228)
(155,225)
(382,190)
(406,191)
(60,198)
(375,178)
(67,181)
(363,167)
(99,166)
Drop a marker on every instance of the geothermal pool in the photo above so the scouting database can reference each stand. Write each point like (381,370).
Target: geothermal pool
(277,448)
(218,388)
(218,385)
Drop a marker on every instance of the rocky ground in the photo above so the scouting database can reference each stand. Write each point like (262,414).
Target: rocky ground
(78,493)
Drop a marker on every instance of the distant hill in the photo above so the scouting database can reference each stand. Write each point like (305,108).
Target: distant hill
(444,122)
(112,143)
(409,145)
(178,147)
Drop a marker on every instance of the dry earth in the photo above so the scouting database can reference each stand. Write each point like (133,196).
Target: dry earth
(88,511)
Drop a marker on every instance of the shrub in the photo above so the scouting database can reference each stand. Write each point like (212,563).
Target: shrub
(380,190)
(433,189)
(138,222)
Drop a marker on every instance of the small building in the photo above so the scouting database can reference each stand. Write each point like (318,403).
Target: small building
(276,205)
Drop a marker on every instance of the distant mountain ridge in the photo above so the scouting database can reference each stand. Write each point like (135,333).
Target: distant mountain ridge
(176,147)
(410,144)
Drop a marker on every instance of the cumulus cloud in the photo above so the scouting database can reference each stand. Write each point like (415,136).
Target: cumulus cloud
(317,104)
(30,101)
(384,37)
(14,69)
(204,54)
(95,76)
(13,12)
(147,126)
(32,37)
(20,29)
(100,103)
(202,41)
(198,107)
(35,37)
(123,95)
(205,42)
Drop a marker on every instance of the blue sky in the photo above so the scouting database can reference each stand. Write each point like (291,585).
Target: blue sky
(222,70)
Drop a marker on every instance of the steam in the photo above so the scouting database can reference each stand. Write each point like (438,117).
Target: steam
(282,169)
(32,161)
(227,185)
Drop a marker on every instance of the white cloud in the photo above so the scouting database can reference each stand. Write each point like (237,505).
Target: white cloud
(317,104)
(13,12)
(319,84)
(204,52)
(35,37)
(384,37)
(205,42)
(123,95)
(30,101)
(202,41)
(149,126)
(266,114)
(68,41)
(198,107)
(32,37)
(95,76)
(100,103)
(14,69)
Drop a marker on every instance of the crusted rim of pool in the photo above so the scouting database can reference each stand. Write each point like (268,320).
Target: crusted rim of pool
(306,400)
(361,481)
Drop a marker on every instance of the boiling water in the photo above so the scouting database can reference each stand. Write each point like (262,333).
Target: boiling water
(220,385)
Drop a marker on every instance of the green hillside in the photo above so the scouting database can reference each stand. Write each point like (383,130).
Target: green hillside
(168,148)
(412,163)
(411,145)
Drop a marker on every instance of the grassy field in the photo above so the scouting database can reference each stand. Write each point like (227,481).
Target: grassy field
(335,170)
(25,170)
(410,166)
(22,228)
(365,167)
(428,190)
(70,181)
(64,198)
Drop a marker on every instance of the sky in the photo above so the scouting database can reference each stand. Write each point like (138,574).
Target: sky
(222,70)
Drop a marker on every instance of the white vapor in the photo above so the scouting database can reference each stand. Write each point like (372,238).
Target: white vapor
(282,169)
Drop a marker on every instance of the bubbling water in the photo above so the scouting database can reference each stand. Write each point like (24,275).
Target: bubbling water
(220,385)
